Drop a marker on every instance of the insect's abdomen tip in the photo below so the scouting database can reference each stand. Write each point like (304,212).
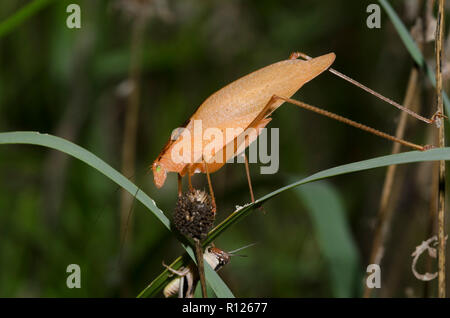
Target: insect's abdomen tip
(331,57)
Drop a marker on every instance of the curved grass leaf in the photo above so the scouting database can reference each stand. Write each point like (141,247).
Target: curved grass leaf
(49,141)
(401,158)
(412,47)
(21,15)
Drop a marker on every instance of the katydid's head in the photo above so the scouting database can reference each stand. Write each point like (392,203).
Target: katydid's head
(159,174)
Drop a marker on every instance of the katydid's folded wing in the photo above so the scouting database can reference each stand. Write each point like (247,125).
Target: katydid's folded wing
(240,104)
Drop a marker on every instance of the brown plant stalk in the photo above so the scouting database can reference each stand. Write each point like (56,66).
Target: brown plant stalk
(441,194)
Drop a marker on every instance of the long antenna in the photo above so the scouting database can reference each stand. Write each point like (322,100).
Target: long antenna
(241,248)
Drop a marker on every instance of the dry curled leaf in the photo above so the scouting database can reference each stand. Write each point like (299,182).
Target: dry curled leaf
(428,245)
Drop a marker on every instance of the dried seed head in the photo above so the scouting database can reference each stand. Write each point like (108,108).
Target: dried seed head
(194,215)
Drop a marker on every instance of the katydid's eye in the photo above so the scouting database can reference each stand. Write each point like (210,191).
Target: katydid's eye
(158,168)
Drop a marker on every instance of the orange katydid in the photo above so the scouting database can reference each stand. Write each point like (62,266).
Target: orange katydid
(247,103)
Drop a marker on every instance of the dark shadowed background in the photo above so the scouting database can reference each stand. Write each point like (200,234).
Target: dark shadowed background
(74,83)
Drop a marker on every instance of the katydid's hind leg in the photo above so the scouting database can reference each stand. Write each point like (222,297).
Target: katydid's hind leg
(350,122)
(271,107)
(268,109)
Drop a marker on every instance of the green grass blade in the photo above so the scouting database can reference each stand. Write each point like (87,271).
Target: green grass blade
(412,47)
(333,234)
(402,158)
(384,161)
(49,141)
(21,15)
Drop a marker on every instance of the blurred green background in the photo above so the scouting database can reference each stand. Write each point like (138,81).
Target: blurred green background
(55,211)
